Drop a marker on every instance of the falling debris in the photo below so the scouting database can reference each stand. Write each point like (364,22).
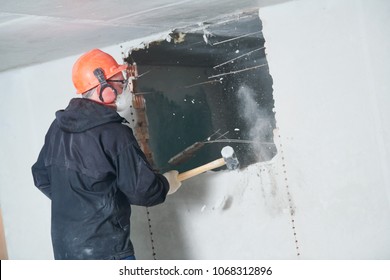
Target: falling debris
(231,60)
(206,33)
(235,38)
(238,71)
(202,83)
(205,38)
(241,141)
(139,76)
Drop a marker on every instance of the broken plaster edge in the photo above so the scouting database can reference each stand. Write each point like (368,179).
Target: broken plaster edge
(144,42)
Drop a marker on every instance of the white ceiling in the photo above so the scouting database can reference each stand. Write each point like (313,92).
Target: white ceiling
(35,31)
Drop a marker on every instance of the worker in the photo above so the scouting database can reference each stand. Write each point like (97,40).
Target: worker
(92,168)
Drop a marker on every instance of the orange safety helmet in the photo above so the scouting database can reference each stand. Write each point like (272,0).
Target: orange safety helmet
(82,73)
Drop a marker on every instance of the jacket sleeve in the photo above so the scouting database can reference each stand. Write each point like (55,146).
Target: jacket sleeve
(40,174)
(137,180)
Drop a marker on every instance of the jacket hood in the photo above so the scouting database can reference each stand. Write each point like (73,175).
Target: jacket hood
(83,114)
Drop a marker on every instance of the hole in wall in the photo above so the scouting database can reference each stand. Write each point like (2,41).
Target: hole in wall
(206,88)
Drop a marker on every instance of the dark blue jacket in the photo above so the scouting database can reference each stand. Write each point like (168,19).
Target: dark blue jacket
(92,169)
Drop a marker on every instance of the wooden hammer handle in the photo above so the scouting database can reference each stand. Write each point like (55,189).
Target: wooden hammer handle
(203,168)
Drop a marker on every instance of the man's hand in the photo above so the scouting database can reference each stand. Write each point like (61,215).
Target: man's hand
(173,181)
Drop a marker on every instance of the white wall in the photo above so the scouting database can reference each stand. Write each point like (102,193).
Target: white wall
(328,60)
(330,64)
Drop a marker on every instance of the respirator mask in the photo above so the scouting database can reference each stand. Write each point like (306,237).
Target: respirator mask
(123,100)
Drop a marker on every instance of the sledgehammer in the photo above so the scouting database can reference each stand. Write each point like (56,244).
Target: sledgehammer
(228,157)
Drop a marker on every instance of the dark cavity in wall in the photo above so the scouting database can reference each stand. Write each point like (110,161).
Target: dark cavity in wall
(207,88)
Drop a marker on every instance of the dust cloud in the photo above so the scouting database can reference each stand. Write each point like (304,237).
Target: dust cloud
(258,122)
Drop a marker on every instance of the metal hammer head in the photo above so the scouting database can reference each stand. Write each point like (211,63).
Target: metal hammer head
(230,158)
